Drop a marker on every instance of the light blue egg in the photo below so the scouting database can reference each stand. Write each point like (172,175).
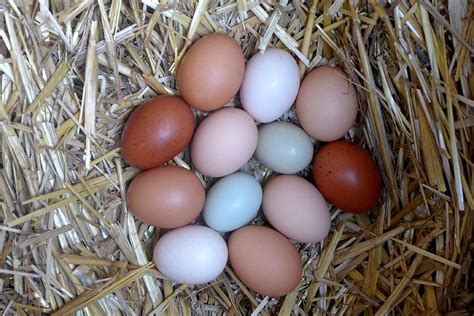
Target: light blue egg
(284,147)
(232,202)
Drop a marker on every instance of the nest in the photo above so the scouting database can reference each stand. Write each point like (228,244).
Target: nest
(72,71)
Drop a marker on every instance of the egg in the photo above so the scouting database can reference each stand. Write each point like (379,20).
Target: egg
(284,147)
(265,260)
(224,142)
(166,197)
(211,72)
(270,84)
(232,202)
(326,105)
(347,176)
(191,254)
(157,131)
(294,207)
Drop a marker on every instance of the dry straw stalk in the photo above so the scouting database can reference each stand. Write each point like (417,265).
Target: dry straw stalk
(72,71)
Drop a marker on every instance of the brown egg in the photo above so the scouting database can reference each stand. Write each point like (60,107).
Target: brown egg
(296,208)
(265,260)
(326,104)
(211,72)
(157,131)
(347,176)
(166,197)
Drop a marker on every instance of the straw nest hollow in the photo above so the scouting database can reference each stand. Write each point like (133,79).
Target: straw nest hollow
(72,71)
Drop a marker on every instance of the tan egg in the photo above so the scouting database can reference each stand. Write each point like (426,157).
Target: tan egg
(211,72)
(296,208)
(265,260)
(326,105)
(166,197)
(224,142)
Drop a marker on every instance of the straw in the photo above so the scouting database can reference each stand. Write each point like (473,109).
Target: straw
(71,72)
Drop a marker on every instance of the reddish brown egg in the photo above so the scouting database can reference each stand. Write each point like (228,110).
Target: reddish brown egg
(157,131)
(265,260)
(211,72)
(166,197)
(347,176)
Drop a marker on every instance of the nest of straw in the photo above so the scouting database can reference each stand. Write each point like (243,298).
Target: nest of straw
(72,71)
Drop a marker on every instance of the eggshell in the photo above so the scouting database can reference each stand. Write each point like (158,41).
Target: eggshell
(191,254)
(224,142)
(157,131)
(270,84)
(232,202)
(296,208)
(284,147)
(327,104)
(347,176)
(265,260)
(166,197)
(211,72)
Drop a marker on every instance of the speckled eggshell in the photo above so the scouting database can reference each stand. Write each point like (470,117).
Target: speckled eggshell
(211,72)
(157,131)
(326,105)
(265,260)
(224,142)
(191,254)
(296,208)
(166,197)
(347,176)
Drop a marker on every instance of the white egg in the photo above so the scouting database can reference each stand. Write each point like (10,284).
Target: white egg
(191,254)
(232,202)
(270,85)
(284,147)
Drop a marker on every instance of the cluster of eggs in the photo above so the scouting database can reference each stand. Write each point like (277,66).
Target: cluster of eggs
(171,197)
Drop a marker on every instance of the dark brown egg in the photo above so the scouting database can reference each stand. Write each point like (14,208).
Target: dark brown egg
(347,176)
(211,72)
(157,131)
(166,197)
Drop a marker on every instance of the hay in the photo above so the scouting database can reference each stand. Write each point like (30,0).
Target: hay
(72,71)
